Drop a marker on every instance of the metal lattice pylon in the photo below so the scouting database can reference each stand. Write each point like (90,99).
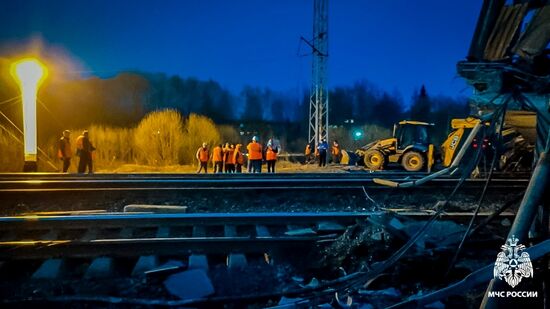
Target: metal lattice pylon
(318,100)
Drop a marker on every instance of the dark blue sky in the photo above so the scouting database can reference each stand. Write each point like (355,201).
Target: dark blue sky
(397,45)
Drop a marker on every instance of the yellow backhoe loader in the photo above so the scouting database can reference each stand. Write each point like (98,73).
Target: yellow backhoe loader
(410,146)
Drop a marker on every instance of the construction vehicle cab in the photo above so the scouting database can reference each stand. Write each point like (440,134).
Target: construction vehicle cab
(409,146)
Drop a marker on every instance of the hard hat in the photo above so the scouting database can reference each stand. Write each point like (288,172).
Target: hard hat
(203,144)
(255,138)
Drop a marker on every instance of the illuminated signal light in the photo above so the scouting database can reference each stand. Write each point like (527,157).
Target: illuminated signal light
(29,74)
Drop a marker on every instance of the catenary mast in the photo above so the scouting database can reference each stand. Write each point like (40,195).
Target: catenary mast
(318,100)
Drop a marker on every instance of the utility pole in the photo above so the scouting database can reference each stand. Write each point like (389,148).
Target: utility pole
(318,99)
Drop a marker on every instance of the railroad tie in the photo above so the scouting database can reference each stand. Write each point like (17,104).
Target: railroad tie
(299,230)
(234,260)
(90,234)
(149,262)
(163,232)
(50,269)
(330,226)
(145,263)
(9,235)
(101,267)
(50,235)
(263,231)
(126,233)
(198,261)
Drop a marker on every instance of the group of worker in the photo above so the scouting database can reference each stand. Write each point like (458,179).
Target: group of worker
(230,158)
(84,149)
(322,151)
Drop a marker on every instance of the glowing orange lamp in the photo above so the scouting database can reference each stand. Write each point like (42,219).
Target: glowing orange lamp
(29,74)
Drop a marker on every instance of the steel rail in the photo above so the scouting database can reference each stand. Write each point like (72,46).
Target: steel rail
(240,183)
(135,247)
(150,220)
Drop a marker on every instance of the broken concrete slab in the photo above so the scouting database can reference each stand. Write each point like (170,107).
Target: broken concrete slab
(189,284)
(159,209)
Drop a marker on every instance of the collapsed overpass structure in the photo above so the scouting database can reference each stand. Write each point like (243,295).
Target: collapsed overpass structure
(508,66)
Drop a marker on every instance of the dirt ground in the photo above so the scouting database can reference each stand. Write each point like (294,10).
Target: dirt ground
(281,167)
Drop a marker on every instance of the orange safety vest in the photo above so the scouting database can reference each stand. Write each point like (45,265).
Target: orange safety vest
(238,157)
(218,154)
(80,142)
(336,150)
(270,154)
(203,154)
(308,150)
(64,148)
(254,151)
(230,159)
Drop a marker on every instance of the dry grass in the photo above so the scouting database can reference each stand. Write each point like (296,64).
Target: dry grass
(159,137)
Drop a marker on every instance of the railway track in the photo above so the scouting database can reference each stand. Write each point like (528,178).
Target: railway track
(63,249)
(43,257)
(22,193)
(164,234)
(20,183)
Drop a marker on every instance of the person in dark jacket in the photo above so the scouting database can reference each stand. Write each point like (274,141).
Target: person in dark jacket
(322,149)
(84,149)
(64,151)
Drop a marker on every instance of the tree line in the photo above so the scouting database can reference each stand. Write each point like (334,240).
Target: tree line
(125,99)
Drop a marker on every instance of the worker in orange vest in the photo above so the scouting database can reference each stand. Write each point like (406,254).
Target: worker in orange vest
(230,159)
(225,149)
(217,159)
(84,149)
(64,151)
(336,152)
(271,156)
(255,156)
(202,156)
(238,158)
(307,152)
